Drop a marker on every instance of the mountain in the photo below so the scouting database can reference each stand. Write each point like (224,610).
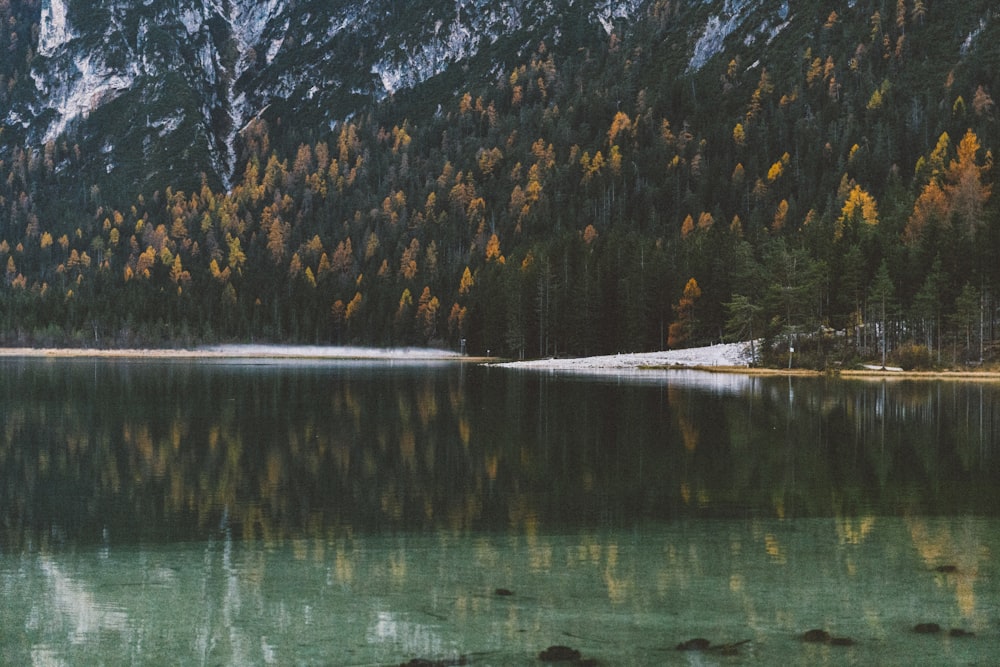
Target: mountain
(536,176)
(162,89)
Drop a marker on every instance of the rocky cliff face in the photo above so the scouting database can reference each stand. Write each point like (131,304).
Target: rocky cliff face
(162,85)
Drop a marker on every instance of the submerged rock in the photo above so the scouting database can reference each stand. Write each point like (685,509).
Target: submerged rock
(927,628)
(696,644)
(816,636)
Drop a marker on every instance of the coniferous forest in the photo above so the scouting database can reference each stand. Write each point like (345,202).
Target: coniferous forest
(831,189)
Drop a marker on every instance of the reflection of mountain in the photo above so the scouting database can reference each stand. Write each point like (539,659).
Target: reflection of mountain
(171,450)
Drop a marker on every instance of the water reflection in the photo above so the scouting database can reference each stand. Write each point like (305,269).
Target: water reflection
(358,513)
(119,452)
(620,596)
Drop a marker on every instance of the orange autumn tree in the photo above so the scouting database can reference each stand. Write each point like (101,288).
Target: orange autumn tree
(682,328)
(954,193)
(427,313)
(965,186)
(930,208)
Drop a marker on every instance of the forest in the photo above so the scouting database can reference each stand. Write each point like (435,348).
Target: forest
(829,191)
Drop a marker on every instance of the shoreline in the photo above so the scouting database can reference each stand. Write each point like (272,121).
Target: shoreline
(249,352)
(691,359)
(845,374)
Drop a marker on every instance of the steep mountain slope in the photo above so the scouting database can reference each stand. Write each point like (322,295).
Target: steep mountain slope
(156,85)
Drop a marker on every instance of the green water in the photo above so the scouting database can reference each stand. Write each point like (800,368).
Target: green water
(233,513)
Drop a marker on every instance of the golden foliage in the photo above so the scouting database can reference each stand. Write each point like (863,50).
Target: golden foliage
(858,207)
(739,135)
(621,124)
(680,329)
(493,249)
(466,283)
(687,226)
(408,260)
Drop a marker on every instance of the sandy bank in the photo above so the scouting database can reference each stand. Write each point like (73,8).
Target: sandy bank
(732,358)
(728,355)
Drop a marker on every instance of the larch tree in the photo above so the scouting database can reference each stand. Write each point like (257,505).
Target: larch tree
(931,208)
(427,313)
(860,211)
(684,326)
(466,283)
(965,184)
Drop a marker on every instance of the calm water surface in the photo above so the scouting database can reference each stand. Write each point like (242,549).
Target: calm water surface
(350,513)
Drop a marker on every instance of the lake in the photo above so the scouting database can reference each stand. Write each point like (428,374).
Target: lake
(251,512)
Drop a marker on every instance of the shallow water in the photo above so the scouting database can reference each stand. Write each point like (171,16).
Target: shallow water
(618,596)
(367,514)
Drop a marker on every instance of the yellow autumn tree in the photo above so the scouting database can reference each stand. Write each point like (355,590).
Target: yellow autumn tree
(466,283)
(780,216)
(295,266)
(778,168)
(493,250)
(405,304)
(620,124)
(683,327)
(145,262)
(965,186)
(408,260)
(930,208)
(427,312)
(178,275)
(687,226)
(342,261)
(705,221)
(353,308)
(860,208)
(956,190)
(237,258)
(739,135)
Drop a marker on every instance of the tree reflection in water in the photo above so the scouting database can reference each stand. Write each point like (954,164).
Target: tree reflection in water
(174,450)
(300,504)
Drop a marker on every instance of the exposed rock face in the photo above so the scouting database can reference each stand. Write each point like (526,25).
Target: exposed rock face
(146,74)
